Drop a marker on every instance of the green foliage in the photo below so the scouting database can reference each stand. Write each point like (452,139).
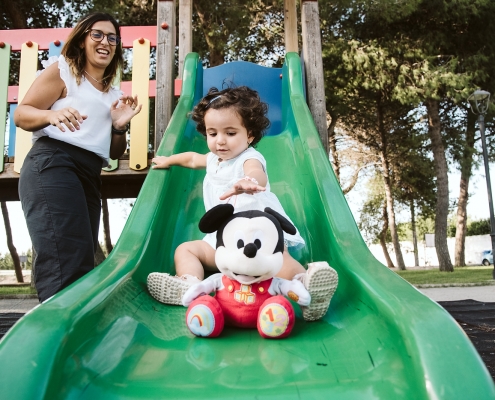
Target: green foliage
(6,261)
(378,53)
(424,225)
(41,14)
(371,214)
(481,227)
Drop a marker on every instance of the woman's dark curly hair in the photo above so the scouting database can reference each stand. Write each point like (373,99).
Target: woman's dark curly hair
(244,101)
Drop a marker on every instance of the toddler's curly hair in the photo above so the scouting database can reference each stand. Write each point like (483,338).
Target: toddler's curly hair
(244,101)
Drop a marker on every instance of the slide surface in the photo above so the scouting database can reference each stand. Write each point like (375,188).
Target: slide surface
(105,337)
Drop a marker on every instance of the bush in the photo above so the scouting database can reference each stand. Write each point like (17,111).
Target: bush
(481,227)
(474,228)
(6,261)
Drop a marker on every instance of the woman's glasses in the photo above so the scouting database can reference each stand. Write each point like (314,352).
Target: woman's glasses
(98,36)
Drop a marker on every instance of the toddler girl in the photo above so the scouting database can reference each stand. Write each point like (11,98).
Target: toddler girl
(233,121)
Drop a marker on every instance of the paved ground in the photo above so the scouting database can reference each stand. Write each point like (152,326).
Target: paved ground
(479,293)
(20,306)
(7,276)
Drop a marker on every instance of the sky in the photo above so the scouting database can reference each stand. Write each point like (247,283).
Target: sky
(119,210)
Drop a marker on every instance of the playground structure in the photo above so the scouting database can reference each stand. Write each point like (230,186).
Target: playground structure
(124,177)
(105,337)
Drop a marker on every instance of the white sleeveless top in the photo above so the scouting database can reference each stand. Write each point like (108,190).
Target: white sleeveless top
(222,175)
(95,134)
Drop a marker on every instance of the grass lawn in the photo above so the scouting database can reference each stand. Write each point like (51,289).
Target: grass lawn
(461,275)
(16,290)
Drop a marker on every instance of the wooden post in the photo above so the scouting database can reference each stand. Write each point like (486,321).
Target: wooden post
(290,26)
(165,57)
(185,32)
(313,65)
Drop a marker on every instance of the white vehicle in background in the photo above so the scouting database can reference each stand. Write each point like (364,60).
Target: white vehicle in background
(486,257)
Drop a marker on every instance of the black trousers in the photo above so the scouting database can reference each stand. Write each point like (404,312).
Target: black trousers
(59,188)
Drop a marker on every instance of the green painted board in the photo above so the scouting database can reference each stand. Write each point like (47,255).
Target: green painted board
(113,164)
(4,87)
(106,338)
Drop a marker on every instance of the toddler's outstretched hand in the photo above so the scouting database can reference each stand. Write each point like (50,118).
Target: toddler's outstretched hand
(160,162)
(243,187)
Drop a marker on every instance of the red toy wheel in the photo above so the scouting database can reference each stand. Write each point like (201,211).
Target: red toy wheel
(276,318)
(204,317)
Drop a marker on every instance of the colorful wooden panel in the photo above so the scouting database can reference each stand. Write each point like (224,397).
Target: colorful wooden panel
(12,129)
(138,157)
(54,49)
(27,74)
(17,37)
(4,86)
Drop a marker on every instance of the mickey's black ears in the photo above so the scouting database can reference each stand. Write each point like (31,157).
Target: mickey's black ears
(215,217)
(284,222)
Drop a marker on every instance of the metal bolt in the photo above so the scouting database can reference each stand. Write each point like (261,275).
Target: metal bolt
(164,25)
(138,166)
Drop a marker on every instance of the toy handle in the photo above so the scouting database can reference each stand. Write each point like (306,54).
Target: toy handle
(211,284)
(294,290)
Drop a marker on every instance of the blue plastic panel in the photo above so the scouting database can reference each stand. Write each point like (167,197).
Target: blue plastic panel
(266,81)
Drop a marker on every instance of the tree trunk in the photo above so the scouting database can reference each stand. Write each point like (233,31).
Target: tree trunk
(466,172)
(388,189)
(332,145)
(441,171)
(10,243)
(383,237)
(353,181)
(33,266)
(414,234)
(99,255)
(215,47)
(14,12)
(106,226)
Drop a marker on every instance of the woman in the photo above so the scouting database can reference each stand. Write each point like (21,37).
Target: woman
(78,121)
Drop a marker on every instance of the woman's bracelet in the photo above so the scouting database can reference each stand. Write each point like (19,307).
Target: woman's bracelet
(119,131)
(248,178)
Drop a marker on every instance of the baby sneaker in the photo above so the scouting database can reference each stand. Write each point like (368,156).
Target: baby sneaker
(169,289)
(321,282)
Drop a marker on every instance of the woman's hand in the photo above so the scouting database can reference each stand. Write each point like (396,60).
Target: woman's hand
(122,113)
(68,116)
(244,186)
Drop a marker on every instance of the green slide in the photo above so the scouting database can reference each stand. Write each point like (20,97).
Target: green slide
(105,337)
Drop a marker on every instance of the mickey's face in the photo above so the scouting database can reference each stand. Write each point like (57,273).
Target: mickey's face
(248,252)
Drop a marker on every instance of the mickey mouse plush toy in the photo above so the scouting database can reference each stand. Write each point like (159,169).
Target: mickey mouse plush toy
(247,293)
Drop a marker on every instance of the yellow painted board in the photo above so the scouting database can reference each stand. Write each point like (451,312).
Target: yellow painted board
(138,156)
(27,74)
